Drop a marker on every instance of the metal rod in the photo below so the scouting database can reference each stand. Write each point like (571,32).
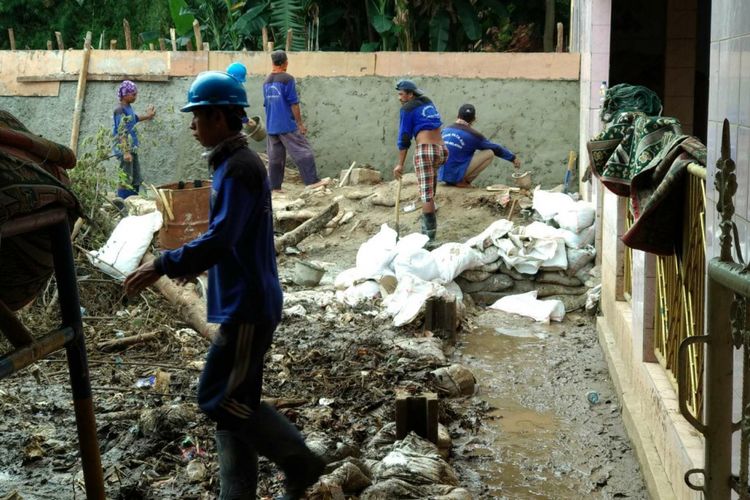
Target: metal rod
(70,309)
(730,275)
(41,348)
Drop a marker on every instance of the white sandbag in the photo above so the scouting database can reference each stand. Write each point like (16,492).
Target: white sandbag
(559,261)
(355,294)
(375,255)
(538,230)
(577,258)
(550,204)
(493,233)
(490,255)
(510,254)
(409,297)
(578,218)
(411,242)
(123,251)
(454,258)
(578,240)
(349,277)
(418,262)
(526,304)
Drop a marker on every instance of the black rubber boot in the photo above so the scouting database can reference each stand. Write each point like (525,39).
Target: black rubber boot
(238,466)
(429,226)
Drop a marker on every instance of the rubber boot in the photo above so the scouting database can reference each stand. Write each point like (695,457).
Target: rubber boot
(238,466)
(279,441)
(429,225)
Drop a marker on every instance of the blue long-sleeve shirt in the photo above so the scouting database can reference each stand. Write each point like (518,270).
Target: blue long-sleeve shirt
(279,95)
(416,115)
(125,120)
(238,248)
(462,141)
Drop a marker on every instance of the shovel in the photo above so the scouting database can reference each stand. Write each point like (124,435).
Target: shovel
(398,203)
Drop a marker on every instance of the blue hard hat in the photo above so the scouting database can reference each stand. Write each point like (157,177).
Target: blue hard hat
(409,86)
(215,88)
(238,70)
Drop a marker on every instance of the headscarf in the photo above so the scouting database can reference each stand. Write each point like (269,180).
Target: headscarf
(126,88)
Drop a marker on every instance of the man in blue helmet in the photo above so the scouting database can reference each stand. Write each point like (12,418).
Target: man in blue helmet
(420,119)
(469,152)
(238,71)
(244,297)
(284,126)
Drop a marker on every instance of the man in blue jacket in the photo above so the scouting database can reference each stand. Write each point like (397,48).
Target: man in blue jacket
(284,126)
(469,151)
(420,120)
(244,297)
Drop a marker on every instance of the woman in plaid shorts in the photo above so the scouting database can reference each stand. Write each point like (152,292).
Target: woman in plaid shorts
(420,119)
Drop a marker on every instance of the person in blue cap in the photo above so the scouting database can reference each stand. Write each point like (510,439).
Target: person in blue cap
(238,71)
(420,120)
(244,297)
(469,152)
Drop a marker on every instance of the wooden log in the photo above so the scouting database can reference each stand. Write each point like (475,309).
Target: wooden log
(101,41)
(173,36)
(264,32)
(14,331)
(115,344)
(197,34)
(191,308)
(294,215)
(80,93)
(289,36)
(162,44)
(206,47)
(559,47)
(58,37)
(270,46)
(12,38)
(113,44)
(128,40)
(312,226)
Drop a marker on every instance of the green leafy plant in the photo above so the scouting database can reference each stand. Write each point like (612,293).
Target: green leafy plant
(288,15)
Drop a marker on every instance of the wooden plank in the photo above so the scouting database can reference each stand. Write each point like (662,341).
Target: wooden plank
(58,37)
(128,40)
(264,33)
(289,36)
(80,94)
(431,416)
(113,44)
(197,34)
(72,77)
(173,36)
(12,38)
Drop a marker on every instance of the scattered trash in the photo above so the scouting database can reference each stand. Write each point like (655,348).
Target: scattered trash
(455,380)
(592,397)
(146,381)
(526,304)
(307,274)
(326,401)
(196,471)
(409,207)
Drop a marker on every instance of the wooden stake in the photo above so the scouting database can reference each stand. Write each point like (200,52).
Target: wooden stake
(270,46)
(559,37)
(128,40)
(80,93)
(101,41)
(173,36)
(206,46)
(150,46)
(162,44)
(197,34)
(12,37)
(58,37)
(289,36)
(264,33)
(189,45)
(113,44)
(49,44)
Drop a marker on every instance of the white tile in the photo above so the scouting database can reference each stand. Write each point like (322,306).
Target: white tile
(717,20)
(744,105)
(729,81)
(739,18)
(712,225)
(713,85)
(742,160)
(712,153)
(600,38)
(600,68)
(601,12)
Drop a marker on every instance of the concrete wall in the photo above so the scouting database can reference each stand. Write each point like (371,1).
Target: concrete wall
(527,102)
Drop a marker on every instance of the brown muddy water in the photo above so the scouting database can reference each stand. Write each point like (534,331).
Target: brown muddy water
(542,438)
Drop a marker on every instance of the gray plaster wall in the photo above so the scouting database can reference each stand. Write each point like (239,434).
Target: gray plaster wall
(349,119)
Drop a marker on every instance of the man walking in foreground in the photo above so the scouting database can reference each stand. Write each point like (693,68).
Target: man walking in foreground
(284,126)
(419,119)
(244,298)
(469,152)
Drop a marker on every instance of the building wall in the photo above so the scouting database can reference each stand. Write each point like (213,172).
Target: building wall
(527,102)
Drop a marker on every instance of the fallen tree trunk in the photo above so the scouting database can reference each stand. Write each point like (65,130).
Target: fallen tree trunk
(307,228)
(191,307)
(114,344)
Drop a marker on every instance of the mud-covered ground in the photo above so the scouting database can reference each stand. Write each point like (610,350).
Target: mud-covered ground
(528,432)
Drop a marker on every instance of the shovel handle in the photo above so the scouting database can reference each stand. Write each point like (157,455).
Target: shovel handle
(398,201)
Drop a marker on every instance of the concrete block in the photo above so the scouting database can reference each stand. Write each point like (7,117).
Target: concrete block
(362,176)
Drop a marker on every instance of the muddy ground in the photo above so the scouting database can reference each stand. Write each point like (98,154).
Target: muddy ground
(528,432)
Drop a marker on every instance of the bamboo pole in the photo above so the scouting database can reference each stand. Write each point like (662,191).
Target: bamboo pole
(128,40)
(559,37)
(197,34)
(289,36)
(173,36)
(101,41)
(49,44)
(270,46)
(113,44)
(80,93)
(264,32)
(12,38)
(58,37)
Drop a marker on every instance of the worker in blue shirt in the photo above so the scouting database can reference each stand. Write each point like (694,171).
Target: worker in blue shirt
(126,138)
(469,151)
(420,120)
(244,297)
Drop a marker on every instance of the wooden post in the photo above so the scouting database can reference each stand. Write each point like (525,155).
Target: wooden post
(197,34)
(101,41)
(128,40)
(264,33)
(150,46)
(206,46)
(80,93)
(162,44)
(270,46)
(559,37)
(289,36)
(418,414)
(113,44)
(12,38)
(58,37)
(189,45)
(440,318)
(173,36)
(49,44)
